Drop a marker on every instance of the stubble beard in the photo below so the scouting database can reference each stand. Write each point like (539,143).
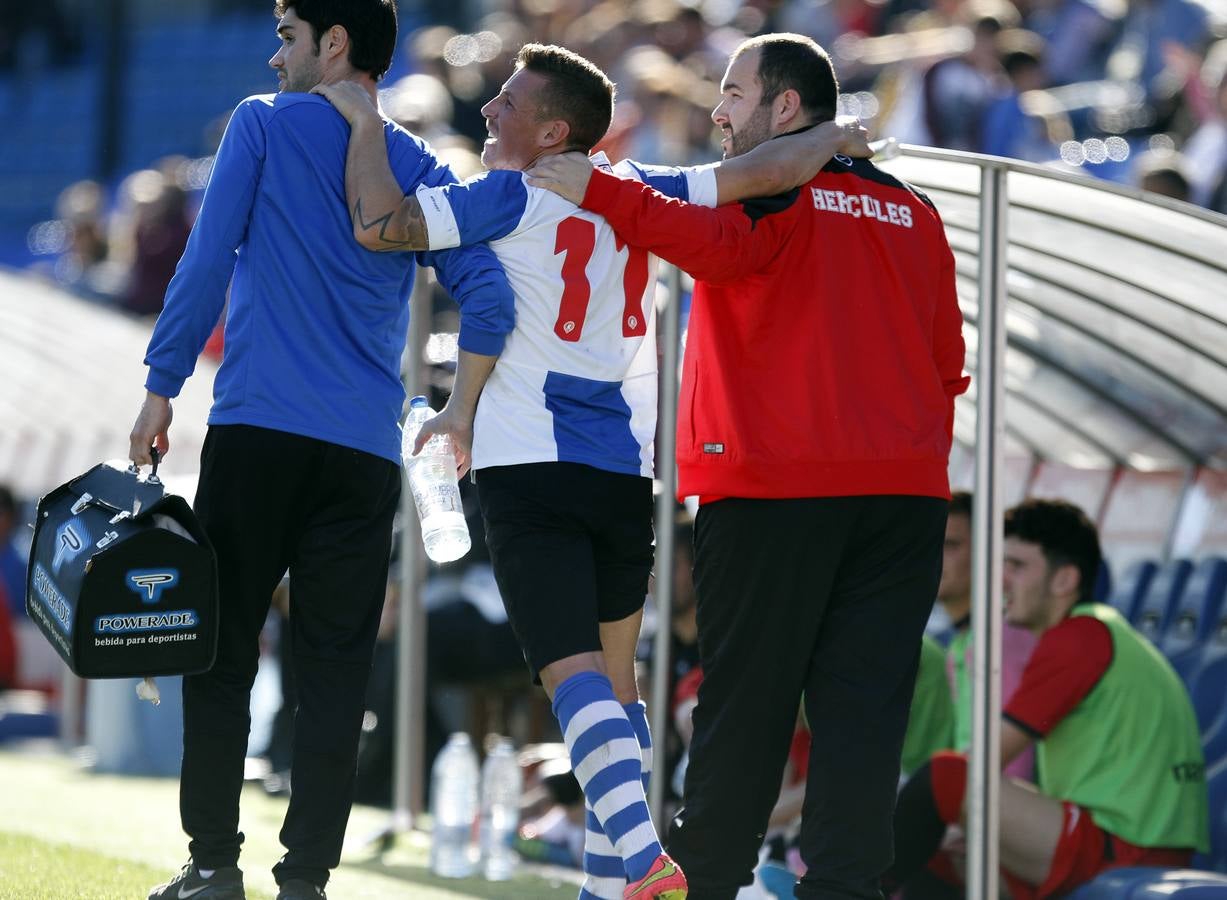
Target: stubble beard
(304,80)
(756,130)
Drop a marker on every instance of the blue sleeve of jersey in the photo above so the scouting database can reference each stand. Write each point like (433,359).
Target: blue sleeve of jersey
(668,180)
(488,206)
(197,293)
(476,280)
(416,164)
(472,275)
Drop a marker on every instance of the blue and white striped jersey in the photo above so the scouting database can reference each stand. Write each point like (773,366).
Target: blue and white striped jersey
(576,381)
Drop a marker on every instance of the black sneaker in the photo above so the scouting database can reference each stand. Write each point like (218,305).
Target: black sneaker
(297,889)
(224,884)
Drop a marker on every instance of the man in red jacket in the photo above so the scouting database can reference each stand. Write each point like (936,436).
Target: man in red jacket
(824,355)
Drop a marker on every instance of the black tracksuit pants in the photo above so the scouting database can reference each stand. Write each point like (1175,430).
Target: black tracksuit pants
(825,598)
(272,501)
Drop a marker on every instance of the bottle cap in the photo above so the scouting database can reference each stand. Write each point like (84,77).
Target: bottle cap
(418,402)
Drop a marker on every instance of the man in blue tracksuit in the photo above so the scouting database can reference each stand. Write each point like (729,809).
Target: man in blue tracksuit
(299,469)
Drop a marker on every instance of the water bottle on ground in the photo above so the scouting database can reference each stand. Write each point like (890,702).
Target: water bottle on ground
(453,807)
(432,478)
(501,784)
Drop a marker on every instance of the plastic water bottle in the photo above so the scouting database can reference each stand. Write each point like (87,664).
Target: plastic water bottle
(432,478)
(500,811)
(453,807)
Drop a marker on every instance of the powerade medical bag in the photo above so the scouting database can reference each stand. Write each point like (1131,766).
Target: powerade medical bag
(122,578)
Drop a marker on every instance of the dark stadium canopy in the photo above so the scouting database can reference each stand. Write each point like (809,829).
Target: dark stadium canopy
(1116,317)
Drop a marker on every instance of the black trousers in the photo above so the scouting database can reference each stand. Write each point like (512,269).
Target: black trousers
(272,501)
(825,597)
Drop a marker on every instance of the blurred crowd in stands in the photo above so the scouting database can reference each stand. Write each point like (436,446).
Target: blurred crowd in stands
(1043,81)
(1130,90)
(124,253)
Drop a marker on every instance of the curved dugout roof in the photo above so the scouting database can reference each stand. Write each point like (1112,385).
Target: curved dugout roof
(1116,318)
(71,382)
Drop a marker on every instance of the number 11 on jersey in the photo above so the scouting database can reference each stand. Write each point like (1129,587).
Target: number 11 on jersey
(576,239)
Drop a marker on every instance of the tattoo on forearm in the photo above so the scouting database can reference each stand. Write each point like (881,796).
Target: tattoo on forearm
(410,237)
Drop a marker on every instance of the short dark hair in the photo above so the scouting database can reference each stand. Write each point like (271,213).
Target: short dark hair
(1064,533)
(577,92)
(797,62)
(370,24)
(960,504)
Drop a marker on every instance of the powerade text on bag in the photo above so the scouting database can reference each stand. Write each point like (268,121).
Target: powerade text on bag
(122,578)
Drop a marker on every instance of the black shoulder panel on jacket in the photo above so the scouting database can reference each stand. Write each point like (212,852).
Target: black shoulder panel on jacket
(761,207)
(864,168)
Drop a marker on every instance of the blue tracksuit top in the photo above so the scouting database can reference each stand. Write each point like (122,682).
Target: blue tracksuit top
(316,324)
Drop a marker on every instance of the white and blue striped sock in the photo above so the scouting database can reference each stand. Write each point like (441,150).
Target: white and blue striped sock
(607,762)
(604,874)
(605,879)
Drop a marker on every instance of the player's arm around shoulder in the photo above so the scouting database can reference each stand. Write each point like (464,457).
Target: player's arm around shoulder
(788,161)
(486,207)
(384,218)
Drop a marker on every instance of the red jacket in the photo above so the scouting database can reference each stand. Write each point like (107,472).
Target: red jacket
(825,344)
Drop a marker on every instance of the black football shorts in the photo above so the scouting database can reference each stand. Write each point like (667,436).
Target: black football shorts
(571,546)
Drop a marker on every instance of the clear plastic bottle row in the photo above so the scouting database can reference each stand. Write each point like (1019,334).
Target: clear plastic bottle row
(461,798)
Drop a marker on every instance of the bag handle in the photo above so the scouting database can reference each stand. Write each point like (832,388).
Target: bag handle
(153,474)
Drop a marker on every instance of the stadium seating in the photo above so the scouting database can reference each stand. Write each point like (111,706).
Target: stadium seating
(1130,588)
(1103,583)
(1183,884)
(1208,689)
(50,141)
(1218,849)
(1159,603)
(1143,883)
(1214,736)
(52,135)
(228,57)
(1216,790)
(1117,884)
(1196,614)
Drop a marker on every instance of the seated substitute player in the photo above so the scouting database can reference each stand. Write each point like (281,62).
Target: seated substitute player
(562,438)
(1121,773)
